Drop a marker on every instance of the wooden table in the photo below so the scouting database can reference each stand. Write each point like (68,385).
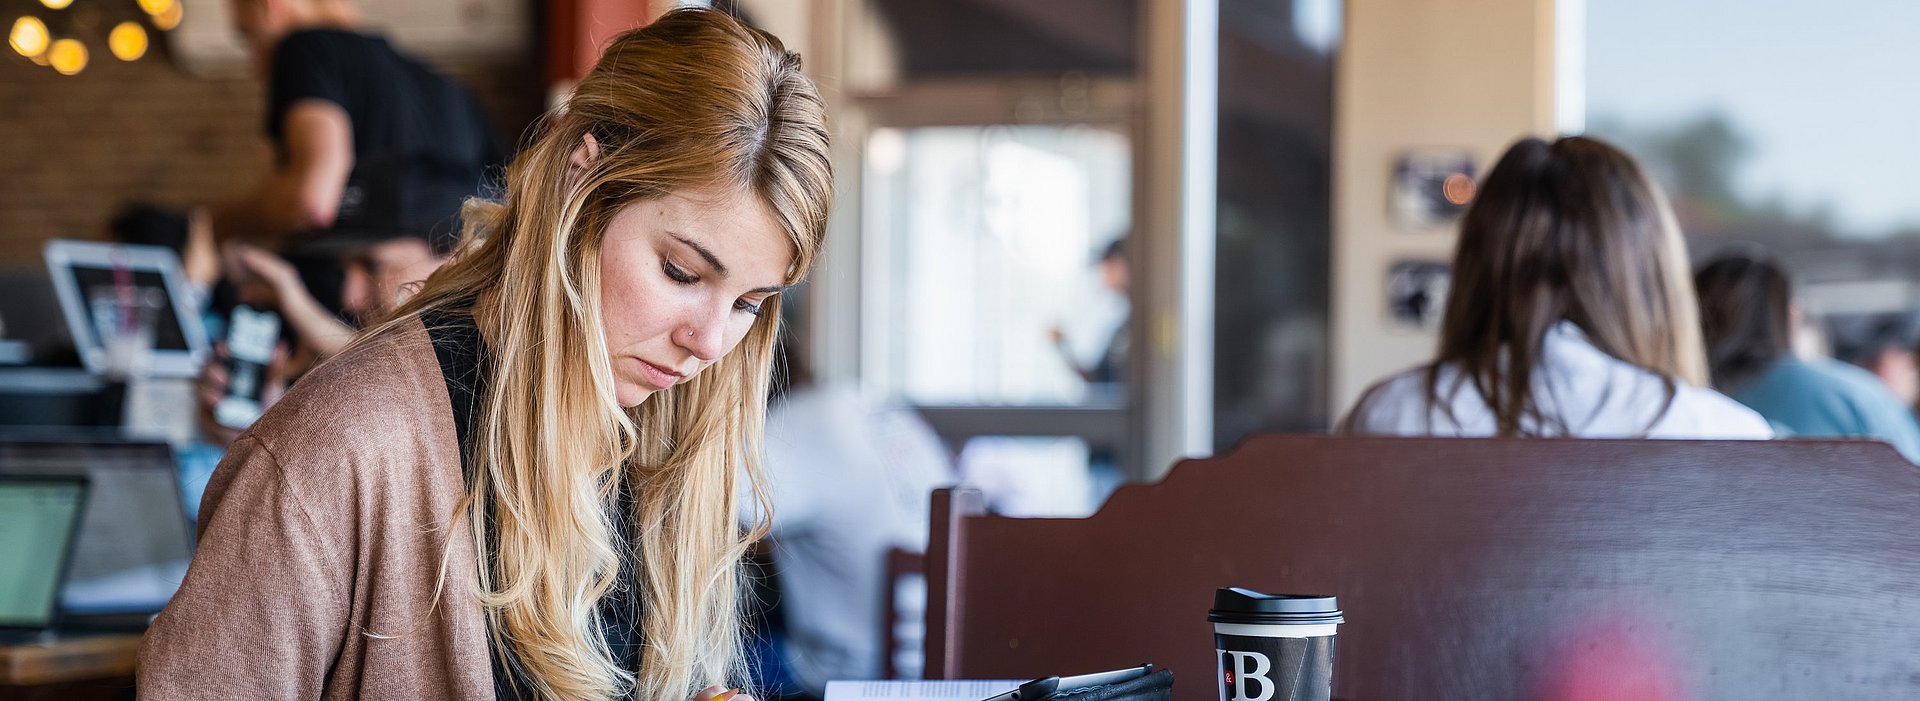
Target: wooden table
(69,668)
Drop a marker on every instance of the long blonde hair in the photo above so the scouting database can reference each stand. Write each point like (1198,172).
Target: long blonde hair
(694,100)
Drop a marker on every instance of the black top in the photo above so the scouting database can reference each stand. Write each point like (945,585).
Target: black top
(396,104)
(421,144)
(463,354)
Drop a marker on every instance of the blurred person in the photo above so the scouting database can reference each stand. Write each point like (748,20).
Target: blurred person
(526,475)
(1570,314)
(1110,368)
(1885,347)
(190,234)
(384,254)
(1748,315)
(847,479)
(341,100)
(379,277)
(385,242)
(267,281)
(1112,363)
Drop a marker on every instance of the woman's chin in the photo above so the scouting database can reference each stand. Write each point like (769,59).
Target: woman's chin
(631,395)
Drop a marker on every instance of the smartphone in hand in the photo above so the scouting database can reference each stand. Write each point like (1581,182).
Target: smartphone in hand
(251,336)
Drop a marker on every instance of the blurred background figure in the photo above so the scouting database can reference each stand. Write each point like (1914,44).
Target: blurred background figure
(384,254)
(348,113)
(1748,314)
(1111,365)
(387,242)
(849,480)
(1569,315)
(1883,344)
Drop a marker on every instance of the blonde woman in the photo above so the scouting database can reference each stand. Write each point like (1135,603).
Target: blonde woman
(522,484)
(1571,313)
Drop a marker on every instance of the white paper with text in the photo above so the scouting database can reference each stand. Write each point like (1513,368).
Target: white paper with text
(948,689)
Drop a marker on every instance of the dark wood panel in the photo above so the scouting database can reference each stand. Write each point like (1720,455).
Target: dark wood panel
(1484,569)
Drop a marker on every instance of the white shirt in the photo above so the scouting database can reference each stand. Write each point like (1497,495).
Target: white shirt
(1594,394)
(849,479)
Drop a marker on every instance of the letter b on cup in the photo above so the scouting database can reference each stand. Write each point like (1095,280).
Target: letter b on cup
(1246,678)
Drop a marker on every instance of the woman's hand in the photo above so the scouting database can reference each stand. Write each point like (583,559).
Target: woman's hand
(262,276)
(211,387)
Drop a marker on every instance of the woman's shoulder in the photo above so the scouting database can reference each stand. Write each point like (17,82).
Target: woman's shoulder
(1700,412)
(1398,404)
(1850,393)
(1856,382)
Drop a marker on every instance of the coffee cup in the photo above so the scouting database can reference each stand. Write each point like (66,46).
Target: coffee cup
(1274,647)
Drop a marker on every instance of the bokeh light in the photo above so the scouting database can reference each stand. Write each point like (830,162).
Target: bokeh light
(169,18)
(1458,188)
(128,41)
(29,36)
(68,56)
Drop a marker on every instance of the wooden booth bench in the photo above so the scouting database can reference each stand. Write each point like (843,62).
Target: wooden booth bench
(1469,569)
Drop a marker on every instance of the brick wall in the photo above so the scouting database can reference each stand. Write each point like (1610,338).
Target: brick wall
(74,148)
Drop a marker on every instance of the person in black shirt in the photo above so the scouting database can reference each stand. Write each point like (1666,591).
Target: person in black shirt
(342,102)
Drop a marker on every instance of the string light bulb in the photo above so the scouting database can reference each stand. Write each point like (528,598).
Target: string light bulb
(29,37)
(169,18)
(68,56)
(56,4)
(128,41)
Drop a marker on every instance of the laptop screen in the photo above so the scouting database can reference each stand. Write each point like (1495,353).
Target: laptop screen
(95,281)
(135,539)
(37,524)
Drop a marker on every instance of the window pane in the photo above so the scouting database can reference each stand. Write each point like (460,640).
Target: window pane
(1044,476)
(1784,124)
(1273,228)
(987,240)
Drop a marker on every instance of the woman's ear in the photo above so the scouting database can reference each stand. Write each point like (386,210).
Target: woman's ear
(582,159)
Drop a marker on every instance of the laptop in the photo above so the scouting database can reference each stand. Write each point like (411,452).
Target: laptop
(135,538)
(102,286)
(39,523)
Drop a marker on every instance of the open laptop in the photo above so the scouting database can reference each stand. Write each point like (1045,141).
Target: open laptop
(135,538)
(39,523)
(100,284)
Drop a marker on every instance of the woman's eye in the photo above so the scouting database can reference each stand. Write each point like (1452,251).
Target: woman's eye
(746,306)
(677,275)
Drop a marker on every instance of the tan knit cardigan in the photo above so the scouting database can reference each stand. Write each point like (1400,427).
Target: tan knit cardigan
(321,538)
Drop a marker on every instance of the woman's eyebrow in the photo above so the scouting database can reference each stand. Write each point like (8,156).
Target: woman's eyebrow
(719,268)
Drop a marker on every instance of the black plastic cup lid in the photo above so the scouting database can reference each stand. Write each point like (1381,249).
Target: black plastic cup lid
(1237,605)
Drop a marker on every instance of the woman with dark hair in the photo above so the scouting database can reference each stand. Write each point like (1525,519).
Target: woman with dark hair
(1748,314)
(1570,314)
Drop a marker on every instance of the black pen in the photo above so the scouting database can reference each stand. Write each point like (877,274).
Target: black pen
(1045,687)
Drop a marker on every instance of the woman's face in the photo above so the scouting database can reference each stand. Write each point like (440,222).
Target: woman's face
(682,280)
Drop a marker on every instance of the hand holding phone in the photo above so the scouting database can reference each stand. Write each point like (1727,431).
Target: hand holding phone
(251,337)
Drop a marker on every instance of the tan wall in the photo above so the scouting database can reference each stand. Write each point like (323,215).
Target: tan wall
(1467,74)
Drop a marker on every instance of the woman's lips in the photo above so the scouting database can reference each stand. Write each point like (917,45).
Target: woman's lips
(658,376)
